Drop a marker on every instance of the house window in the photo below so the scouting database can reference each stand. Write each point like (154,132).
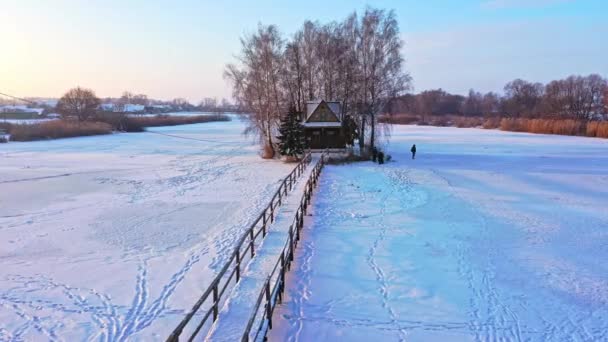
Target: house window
(331,132)
(316,133)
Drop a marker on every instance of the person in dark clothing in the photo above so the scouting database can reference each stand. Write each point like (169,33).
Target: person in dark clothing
(413,151)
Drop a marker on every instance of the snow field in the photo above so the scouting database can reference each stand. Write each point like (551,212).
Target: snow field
(115,237)
(486,236)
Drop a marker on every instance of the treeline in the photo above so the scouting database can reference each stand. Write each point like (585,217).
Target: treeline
(575,97)
(153,106)
(82,115)
(356,61)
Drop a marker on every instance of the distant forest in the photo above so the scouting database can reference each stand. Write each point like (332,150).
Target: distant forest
(575,97)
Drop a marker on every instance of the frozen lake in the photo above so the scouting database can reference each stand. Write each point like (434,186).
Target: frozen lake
(113,237)
(486,236)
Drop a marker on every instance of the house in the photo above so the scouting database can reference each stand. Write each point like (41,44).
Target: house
(323,125)
(133,108)
(107,107)
(122,108)
(21,109)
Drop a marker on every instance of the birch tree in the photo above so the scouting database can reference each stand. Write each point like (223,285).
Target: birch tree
(357,61)
(256,82)
(381,68)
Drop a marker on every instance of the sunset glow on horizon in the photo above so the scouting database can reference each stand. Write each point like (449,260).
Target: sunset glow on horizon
(179,49)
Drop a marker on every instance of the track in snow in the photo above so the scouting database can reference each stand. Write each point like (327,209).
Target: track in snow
(466,243)
(121,245)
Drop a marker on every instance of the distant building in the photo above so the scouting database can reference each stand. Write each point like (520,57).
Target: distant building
(323,125)
(108,107)
(121,108)
(20,109)
(132,108)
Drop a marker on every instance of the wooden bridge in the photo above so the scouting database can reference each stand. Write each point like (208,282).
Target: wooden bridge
(256,316)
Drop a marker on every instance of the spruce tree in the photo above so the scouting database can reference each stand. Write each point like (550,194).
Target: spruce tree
(291,140)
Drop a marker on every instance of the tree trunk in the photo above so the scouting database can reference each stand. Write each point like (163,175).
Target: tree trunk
(362,135)
(372,132)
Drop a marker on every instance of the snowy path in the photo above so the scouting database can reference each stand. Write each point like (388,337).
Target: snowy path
(114,237)
(238,309)
(487,236)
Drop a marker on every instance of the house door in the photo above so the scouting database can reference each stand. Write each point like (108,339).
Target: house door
(316,141)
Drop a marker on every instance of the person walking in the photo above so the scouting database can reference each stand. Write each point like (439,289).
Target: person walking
(413,151)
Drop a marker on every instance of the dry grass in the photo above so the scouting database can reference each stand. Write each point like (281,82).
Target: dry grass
(544,126)
(174,120)
(101,124)
(57,129)
(464,121)
(491,123)
(119,122)
(597,129)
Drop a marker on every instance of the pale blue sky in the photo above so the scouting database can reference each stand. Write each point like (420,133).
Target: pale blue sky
(168,49)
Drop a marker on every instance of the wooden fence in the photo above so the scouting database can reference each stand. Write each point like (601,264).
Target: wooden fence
(209,303)
(272,292)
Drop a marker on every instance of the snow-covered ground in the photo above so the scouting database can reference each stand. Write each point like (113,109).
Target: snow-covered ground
(115,237)
(486,236)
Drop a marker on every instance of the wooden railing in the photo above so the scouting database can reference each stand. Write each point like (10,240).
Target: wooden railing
(272,292)
(209,303)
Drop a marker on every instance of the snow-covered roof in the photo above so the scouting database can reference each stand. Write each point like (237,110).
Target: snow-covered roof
(21,109)
(322,124)
(335,107)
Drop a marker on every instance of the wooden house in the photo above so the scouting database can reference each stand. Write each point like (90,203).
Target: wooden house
(323,125)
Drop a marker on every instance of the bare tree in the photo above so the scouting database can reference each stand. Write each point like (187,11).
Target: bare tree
(294,73)
(473,104)
(356,61)
(181,104)
(256,82)
(575,97)
(309,36)
(140,99)
(490,105)
(523,98)
(78,103)
(381,68)
(595,87)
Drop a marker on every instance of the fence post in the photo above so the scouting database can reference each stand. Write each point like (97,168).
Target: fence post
(308,191)
(238,265)
(215,302)
(271,213)
(290,245)
(290,182)
(251,242)
(264,223)
(282,279)
(268,304)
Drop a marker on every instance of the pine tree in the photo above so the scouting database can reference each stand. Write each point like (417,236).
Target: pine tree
(291,140)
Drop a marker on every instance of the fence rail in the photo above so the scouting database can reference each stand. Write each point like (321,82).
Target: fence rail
(274,286)
(209,303)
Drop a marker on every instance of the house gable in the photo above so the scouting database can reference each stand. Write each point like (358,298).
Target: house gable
(323,114)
